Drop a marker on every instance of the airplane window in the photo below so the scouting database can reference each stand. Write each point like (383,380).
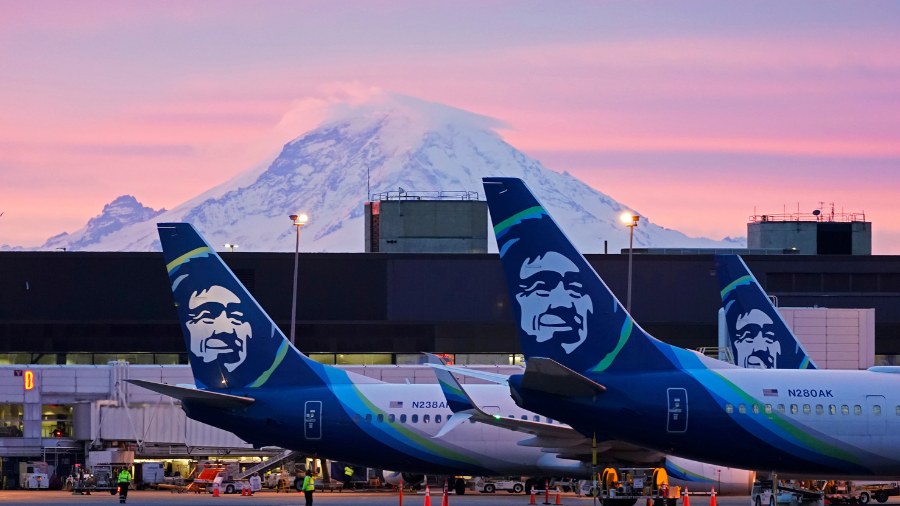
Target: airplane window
(380,418)
(897,410)
(857,410)
(755,409)
(741,409)
(832,409)
(402,418)
(550,420)
(845,409)
(876,410)
(392,418)
(414,419)
(510,416)
(426,418)
(729,408)
(369,417)
(806,409)
(793,409)
(356,418)
(820,409)
(524,417)
(437,418)
(768,409)
(537,418)
(780,408)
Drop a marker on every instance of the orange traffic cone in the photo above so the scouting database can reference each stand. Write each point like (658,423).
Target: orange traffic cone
(445,499)
(558,498)
(400,488)
(427,495)
(686,499)
(712,497)
(649,502)
(533,499)
(215,490)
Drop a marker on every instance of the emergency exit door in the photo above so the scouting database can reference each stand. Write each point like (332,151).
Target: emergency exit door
(312,423)
(678,410)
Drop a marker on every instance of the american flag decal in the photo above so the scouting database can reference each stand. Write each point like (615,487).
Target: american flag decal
(396,404)
(770,392)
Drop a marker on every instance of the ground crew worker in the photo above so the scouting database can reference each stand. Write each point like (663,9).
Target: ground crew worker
(124,480)
(308,486)
(348,474)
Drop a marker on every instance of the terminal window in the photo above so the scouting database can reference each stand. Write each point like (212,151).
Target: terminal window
(11,424)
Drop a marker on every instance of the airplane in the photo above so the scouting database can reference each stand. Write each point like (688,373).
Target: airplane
(591,366)
(250,380)
(743,299)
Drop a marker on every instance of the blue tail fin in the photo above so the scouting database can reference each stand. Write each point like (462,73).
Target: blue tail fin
(231,341)
(564,310)
(758,335)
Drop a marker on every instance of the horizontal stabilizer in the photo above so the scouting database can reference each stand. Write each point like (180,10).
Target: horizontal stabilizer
(205,397)
(549,376)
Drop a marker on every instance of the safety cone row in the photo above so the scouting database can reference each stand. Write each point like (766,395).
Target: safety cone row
(712,497)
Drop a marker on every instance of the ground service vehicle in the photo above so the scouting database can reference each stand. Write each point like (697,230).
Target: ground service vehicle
(489,486)
(765,493)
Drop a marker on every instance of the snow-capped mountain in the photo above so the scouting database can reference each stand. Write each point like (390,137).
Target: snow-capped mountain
(388,143)
(116,215)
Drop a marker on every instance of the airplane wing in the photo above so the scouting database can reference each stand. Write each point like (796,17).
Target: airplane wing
(549,376)
(212,399)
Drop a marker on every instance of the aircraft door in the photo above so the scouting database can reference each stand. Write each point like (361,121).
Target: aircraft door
(312,420)
(875,415)
(678,410)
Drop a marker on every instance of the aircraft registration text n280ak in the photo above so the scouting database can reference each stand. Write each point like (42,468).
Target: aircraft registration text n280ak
(590,365)
(250,380)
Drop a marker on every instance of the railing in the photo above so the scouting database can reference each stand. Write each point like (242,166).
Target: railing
(401,194)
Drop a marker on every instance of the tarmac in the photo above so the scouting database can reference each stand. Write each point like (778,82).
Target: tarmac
(265,498)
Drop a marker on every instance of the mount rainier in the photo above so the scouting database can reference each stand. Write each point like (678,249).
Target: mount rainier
(388,143)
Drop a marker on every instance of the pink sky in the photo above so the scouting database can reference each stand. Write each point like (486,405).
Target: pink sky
(693,113)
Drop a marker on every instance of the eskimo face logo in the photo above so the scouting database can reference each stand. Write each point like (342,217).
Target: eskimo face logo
(755,344)
(217,326)
(553,301)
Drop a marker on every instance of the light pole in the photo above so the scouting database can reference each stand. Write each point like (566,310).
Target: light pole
(231,246)
(297,220)
(630,220)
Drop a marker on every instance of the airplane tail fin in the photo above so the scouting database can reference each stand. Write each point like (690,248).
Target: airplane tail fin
(564,309)
(231,341)
(757,333)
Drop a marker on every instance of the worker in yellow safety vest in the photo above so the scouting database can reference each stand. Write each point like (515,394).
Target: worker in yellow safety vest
(308,486)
